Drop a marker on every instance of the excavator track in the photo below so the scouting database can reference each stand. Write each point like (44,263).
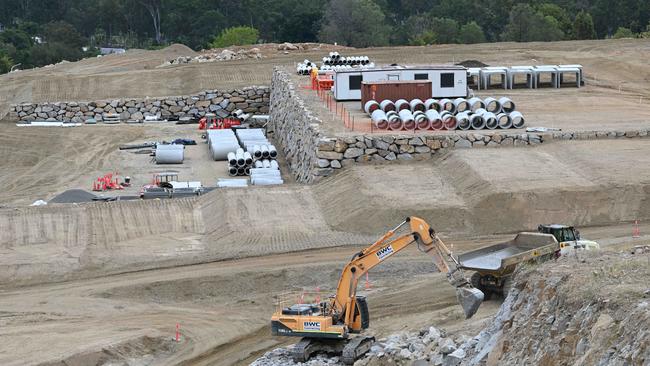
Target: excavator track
(356,348)
(303,350)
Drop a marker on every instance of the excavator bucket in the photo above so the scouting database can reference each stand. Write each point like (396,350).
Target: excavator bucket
(470,299)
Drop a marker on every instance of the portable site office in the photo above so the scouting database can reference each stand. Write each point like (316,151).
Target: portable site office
(447,80)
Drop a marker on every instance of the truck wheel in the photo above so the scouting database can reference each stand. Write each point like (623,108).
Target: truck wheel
(475,281)
(507,285)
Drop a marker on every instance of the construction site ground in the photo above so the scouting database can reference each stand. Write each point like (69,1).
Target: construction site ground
(108,282)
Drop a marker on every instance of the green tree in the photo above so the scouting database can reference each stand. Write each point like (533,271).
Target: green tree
(623,32)
(446,30)
(471,33)
(5,63)
(236,36)
(560,15)
(423,39)
(583,26)
(526,25)
(64,33)
(357,23)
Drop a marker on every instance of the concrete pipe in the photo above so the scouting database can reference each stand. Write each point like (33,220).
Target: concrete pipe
(247,170)
(170,155)
(432,104)
(273,152)
(241,161)
(461,105)
(475,103)
(266,181)
(402,104)
(266,163)
(258,164)
(492,105)
(491,121)
(257,151)
(504,121)
(232,171)
(241,170)
(435,121)
(371,106)
(417,105)
(265,151)
(395,124)
(447,105)
(379,119)
(517,119)
(477,121)
(463,121)
(507,105)
(407,119)
(421,121)
(387,105)
(449,121)
(248,158)
(275,165)
(232,159)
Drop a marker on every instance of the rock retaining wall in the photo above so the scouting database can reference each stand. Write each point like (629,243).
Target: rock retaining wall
(312,154)
(253,99)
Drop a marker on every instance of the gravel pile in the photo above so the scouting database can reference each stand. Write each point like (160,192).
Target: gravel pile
(73,196)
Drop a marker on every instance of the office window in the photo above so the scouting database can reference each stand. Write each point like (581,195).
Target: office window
(355,82)
(421,76)
(393,76)
(447,80)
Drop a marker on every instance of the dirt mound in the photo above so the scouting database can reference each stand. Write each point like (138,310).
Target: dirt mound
(73,196)
(178,49)
(472,63)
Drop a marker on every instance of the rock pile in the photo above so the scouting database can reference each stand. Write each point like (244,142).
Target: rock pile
(215,56)
(428,347)
(251,100)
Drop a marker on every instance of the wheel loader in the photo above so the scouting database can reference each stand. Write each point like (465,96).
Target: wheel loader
(332,326)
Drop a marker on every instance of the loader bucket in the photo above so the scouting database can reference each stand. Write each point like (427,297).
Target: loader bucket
(470,299)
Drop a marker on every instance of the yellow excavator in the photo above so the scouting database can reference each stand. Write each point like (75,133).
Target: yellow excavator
(328,326)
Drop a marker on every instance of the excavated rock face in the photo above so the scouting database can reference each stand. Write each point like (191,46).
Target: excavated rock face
(592,310)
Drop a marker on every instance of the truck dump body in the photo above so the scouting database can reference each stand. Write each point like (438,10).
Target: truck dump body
(504,256)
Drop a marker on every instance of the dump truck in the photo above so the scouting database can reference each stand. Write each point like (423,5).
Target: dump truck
(494,265)
(568,237)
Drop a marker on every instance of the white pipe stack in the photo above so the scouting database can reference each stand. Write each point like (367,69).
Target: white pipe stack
(230,183)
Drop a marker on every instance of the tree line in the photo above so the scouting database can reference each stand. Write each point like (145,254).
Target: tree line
(39,32)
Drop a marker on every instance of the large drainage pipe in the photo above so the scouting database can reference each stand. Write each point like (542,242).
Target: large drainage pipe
(232,171)
(475,104)
(447,105)
(170,154)
(432,104)
(449,121)
(463,121)
(434,119)
(417,105)
(394,121)
(492,105)
(491,121)
(517,119)
(407,119)
(387,105)
(232,158)
(379,119)
(273,152)
(402,104)
(461,105)
(507,105)
(504,120)
(477,121)
(371,106)
(421,121)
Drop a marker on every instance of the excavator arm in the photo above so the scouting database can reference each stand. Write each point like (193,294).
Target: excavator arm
(343,303)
